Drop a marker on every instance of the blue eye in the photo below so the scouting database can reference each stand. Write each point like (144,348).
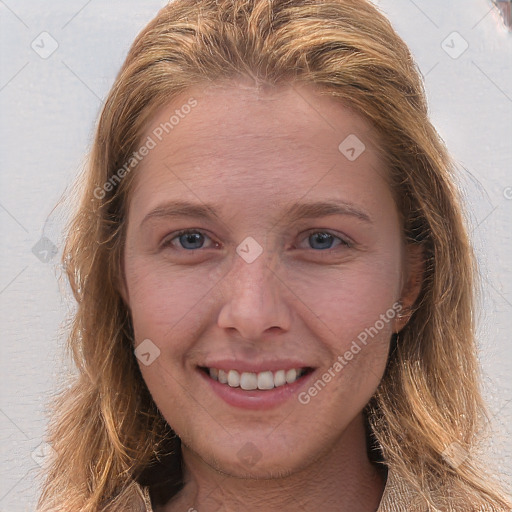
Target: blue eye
(189,239)
(325,240)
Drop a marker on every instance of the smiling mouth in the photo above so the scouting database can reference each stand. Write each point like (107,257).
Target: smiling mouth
(264,381)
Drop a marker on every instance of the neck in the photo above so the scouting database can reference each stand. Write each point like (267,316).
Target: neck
(342,479)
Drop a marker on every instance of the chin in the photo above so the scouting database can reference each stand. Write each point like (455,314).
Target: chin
(254,456)
(279,466)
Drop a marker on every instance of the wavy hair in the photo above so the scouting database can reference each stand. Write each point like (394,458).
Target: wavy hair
(106,430)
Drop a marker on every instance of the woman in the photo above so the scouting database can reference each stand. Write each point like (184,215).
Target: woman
(273,277)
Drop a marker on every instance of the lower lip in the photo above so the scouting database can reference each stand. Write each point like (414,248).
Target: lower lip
(256,399)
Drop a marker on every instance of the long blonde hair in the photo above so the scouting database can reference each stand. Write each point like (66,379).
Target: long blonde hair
(105,429)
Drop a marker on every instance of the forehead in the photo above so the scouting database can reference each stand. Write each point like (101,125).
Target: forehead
(238,135)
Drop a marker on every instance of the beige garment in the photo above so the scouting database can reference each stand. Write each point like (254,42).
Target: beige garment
(395,498)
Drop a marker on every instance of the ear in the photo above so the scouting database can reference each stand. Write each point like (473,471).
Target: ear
(414,269)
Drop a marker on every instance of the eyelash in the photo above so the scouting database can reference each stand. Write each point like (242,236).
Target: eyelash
(168,241)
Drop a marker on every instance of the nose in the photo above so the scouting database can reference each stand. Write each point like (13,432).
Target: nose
(253,300)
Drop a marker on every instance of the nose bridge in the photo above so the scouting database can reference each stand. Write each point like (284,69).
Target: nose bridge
(253,300)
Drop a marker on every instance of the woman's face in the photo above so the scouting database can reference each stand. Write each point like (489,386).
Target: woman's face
(294,261)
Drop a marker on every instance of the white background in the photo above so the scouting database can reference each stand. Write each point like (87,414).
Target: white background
(49,108)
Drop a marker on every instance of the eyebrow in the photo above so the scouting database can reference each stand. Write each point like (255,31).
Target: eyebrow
(297,211)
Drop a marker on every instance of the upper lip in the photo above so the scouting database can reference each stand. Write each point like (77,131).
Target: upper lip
(255,367)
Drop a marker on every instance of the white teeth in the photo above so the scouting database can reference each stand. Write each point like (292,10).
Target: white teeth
(291,375)
(280,378)
(265,380)
(233,378)
(249,381)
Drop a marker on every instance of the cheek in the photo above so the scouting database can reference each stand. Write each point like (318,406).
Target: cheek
(167,307)
(356,307)
(346,300)
(366,302)
(356,312)
(165,300)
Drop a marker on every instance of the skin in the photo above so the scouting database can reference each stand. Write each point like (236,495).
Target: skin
(254,153)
